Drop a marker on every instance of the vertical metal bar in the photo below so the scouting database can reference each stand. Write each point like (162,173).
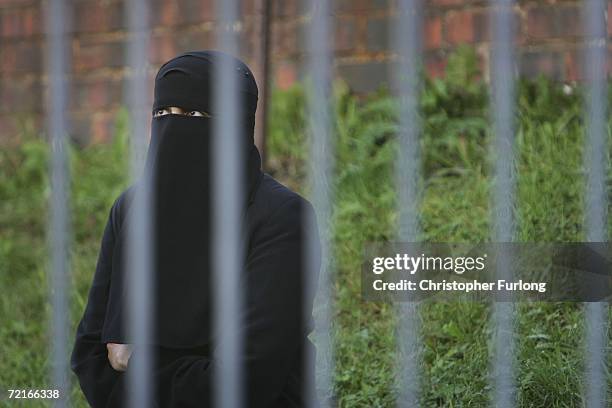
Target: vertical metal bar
(228,199)
(596,201)
(407,37)
(262,64)
(57,57)
(503,87)
(140,227)
(320,106)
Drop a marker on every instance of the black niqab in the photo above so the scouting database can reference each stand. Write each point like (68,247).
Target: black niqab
(179,166)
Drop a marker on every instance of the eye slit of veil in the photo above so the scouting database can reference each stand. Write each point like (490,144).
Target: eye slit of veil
(168,111)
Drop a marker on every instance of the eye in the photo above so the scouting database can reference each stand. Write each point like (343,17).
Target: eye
(198,113)
(161,112)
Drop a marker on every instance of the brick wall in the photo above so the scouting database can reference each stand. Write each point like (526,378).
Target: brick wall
(548,38)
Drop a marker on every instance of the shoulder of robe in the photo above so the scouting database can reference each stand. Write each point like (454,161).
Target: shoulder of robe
(274,203)
(119,208)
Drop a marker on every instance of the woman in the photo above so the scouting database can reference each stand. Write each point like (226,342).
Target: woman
(179,165)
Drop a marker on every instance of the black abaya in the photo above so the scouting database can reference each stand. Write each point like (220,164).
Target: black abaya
(274,332)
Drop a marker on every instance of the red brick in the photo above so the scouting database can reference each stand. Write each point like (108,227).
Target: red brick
(285,75)
(10,23)
(98,94)
(435,64)
(98,17)
(432,32)
(547,63)
(102,127)
(284,8)
(80,128)
(365,77)
(446,2)
(162,48)
(540,23)
(345,34)
(572,62)
(284,39)
(208,11)
(21,96)
(482,26)
(247,8)
(32,22)
(21,57)
(378,33)
(446,22)
(569,21)
(21,3)
(93,55)
(545,22)
(164,13)
(88,128)
(195,11)
(359,6)
(248,40)
(194,40)
(467,26)
(20,22)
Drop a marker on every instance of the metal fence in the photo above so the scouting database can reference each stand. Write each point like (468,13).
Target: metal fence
(407,36)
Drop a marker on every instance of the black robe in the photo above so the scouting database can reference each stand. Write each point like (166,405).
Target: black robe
(275,332)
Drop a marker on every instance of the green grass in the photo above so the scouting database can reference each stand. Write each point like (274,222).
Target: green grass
(455,206)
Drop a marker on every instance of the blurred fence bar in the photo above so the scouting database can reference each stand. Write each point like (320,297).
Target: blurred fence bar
(320,112)
(407,37)
(595,159)
(140,227)
(503,101)
(59,237)
(262,65)
(227,226)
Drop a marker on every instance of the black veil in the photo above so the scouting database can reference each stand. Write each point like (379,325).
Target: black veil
(179,167)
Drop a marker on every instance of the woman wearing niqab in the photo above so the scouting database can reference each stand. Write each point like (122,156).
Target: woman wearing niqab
(276,221)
